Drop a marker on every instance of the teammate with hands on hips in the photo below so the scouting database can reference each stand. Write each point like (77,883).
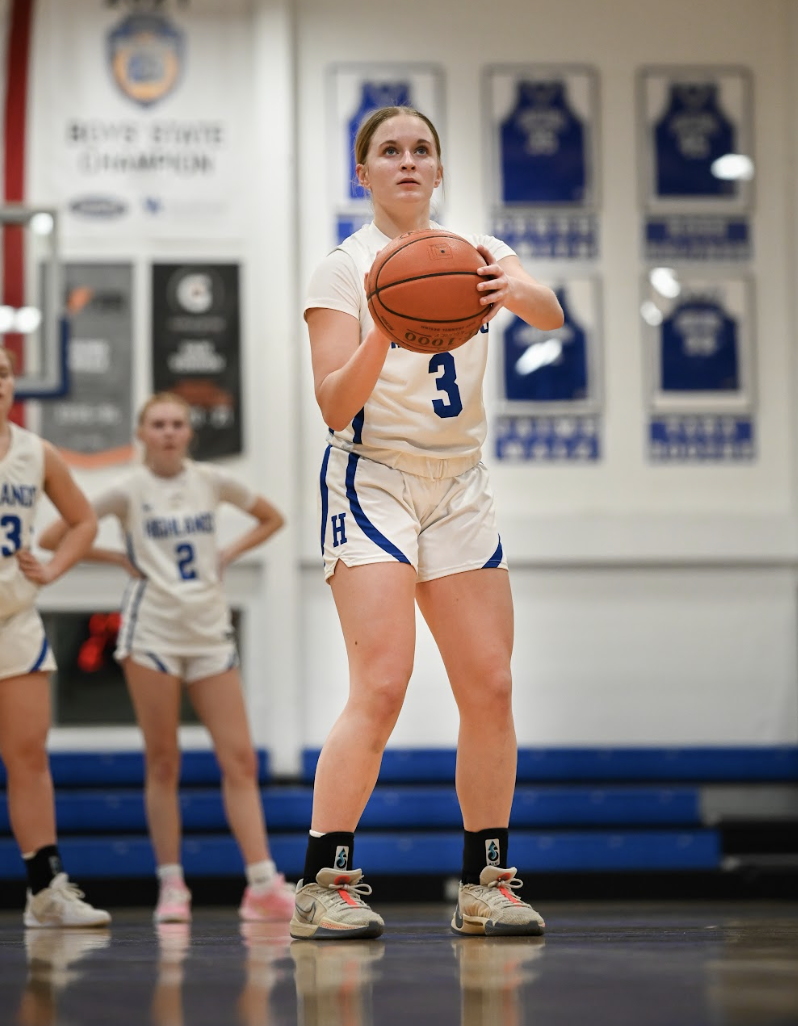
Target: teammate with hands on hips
(28,468)
(407,517)
(176,629)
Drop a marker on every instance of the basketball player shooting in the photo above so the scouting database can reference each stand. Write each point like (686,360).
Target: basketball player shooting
(407,517)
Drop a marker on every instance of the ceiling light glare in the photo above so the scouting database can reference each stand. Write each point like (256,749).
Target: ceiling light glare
(6,319)
(27,319)
(733,167)
(651,313)
(42,223)
(664,280)
(538,355)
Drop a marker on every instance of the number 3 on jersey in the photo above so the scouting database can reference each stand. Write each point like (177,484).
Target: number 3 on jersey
(185,559)
(447,383)
(10,535)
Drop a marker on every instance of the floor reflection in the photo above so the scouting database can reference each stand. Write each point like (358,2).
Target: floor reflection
(492,971)
(55,959)
(621,964)
(334,981)
(755,981)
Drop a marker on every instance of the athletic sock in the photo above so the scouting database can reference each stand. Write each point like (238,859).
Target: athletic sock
(42,867)
(261,874)
(483,848)
(170,873)
(328,851)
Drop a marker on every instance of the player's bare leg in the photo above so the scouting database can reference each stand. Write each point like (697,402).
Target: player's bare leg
(24,723)
(156,702)
(219,702)
(375,605)
(471,618)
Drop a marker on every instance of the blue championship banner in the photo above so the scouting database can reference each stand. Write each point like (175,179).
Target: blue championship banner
(697,163)
(355,91)
(196,350)
(549,406)
(541,124)
(699,361)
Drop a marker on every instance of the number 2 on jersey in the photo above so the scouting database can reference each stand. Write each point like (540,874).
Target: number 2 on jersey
(447,383)
(185,558)
(11,534)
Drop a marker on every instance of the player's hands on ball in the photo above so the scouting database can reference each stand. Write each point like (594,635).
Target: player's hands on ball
(495,288)
(36,572)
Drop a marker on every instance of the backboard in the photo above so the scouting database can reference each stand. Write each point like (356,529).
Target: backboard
(33,321)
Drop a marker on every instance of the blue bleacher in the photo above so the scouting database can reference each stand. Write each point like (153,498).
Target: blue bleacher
(575,810)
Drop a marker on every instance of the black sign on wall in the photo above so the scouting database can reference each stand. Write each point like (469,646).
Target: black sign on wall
(196,349)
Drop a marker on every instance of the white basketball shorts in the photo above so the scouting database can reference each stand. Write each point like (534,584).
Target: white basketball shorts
(187,668)
(23,645)
(372,513)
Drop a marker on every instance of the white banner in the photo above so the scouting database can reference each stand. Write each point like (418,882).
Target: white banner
(143,121)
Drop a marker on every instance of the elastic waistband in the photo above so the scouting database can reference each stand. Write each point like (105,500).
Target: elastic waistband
(432,468)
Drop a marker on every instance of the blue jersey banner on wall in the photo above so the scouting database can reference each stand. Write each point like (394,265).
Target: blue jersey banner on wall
(696,162)
(546,367)
(691,118)
(355,91)
(549,404)
(541,123)
(692,133)
(542,155)
(699,344)
(699,348)
(699,357)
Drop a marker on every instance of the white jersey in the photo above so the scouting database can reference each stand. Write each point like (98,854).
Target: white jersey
(21,485)
(424,409)
(170,530)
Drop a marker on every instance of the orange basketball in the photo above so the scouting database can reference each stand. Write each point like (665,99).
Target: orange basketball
(422,290)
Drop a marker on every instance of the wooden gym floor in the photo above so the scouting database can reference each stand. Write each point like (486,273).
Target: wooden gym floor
(603,964)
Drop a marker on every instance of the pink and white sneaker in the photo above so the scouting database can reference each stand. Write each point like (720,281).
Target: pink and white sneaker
(275,904)
(174,904)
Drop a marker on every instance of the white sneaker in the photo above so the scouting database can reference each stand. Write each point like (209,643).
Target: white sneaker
(61,904)
(491,907)
(333,907)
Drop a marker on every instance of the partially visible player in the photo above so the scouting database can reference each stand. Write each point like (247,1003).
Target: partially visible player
(29,467)
(176,629)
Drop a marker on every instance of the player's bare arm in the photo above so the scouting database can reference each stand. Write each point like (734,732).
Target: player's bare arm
(80,523)
(270,520)
(344,372)
(522,294)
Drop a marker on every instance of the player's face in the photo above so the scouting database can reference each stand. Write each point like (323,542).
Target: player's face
(6,384)
(402,162)
(165,432)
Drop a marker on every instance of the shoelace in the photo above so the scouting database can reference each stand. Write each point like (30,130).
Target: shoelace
(513,884)
(69,890)
(358,891)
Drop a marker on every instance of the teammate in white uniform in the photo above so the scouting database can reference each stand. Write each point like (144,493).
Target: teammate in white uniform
(407,517)
(28,468)
(176,629)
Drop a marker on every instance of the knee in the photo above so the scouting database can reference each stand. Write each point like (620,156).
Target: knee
(163,767)
(239,766)
(489,695)
(26,758)
(382,698)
